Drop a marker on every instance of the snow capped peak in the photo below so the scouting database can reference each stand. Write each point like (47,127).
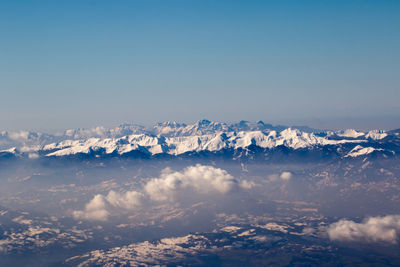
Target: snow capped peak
(12,150)
(176,145)
(178,138)
(289,132)
(350,133)
(376,134)
(361,151)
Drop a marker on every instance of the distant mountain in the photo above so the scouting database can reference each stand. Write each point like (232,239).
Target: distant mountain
(233,140)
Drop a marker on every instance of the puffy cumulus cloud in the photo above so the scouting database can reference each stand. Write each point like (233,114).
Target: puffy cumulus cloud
(374,229)
(247,184)
(98,208)
(128,200)
(286,176)
(94,210)
(200,178)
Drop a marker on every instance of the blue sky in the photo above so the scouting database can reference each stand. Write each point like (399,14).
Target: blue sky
(328,64)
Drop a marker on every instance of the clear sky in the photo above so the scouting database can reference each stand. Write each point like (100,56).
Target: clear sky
(328,64)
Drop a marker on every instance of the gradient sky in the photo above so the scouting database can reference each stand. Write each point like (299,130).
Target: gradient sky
(328,64)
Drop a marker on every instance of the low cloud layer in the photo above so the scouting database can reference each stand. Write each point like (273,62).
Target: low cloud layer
(198,179)
(374,229)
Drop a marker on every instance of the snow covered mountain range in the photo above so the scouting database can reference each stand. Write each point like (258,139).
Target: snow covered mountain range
(175,139)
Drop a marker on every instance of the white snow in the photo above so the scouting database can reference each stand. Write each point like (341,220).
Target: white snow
(178,138)
(12,150)
(361,151)
(376,134)
(350,133)
(152,145)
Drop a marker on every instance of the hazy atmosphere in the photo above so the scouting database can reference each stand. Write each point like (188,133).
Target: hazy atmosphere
(329,64)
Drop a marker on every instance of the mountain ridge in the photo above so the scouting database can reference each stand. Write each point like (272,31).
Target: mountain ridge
(176,139)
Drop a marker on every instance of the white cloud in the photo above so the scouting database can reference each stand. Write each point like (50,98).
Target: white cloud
(97,208)
(21,135)
(286,176)
(94,210)
(33,155)
(247,185)
(200,178)
(129,200)
(197,179)
(373,229)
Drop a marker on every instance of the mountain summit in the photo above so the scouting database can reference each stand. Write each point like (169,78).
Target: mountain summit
(204,136)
